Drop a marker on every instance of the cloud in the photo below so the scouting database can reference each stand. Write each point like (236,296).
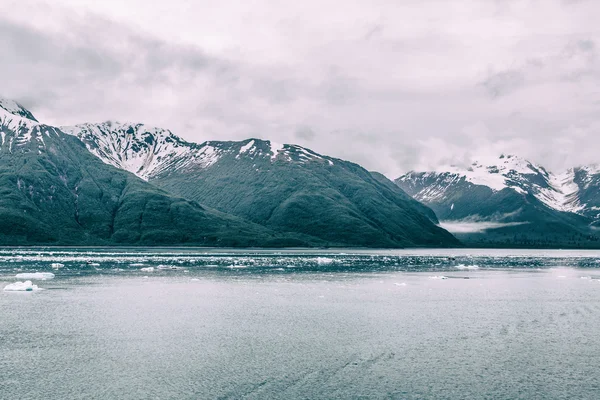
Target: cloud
(391,86)
(476,227)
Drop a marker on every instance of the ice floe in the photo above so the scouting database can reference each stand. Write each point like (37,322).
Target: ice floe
(26,286)
(147,269)
(463,266)
(324,260)
(438,277)
(57,265)
(36,275)
(170,268)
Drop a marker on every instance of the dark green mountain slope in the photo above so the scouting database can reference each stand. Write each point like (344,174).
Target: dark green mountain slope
(284,187)
(54,191)
(292,189)
(512,216)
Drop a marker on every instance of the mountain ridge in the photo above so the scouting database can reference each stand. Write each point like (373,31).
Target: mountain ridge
(285,187)
(53,191)
(524,201)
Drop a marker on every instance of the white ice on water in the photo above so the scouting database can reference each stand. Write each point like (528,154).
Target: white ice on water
(26,286)
(324,260)
(36,275)
(463,266)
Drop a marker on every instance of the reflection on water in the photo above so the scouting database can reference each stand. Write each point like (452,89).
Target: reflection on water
(316,324)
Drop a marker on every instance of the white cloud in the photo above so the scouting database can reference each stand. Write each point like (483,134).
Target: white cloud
(392,85)
(476,227)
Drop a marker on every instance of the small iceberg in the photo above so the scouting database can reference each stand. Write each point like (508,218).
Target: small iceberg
(35,275)
(57,265)
(324,260)
(169,267)
(26,286)
(438,277)
(400,284)
(463,266)
(147,269)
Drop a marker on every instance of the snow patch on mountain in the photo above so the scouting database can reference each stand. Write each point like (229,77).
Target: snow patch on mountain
(14,108)
(275,149)
(558,191)
(149,152)
(143,150)
(498,174)
(20,132)
(247,147)
(562,193)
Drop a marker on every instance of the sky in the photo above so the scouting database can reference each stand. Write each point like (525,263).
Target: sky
(394,85)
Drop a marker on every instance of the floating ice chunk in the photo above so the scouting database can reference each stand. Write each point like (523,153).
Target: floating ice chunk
(92,264)
(324,260)
(57,265)
(35,275)
(438,277)
(195,279)
(147,269)
(463,266)
(400,284)
(26,286)
(136,265)
(169,267)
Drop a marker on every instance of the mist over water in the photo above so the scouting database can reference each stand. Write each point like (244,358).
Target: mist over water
(301,324)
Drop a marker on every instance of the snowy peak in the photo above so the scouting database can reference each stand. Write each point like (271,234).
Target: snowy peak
(562,192)
(150,152)
(257,149)
(137,148)
(14,108)
(20,131)
(505,171)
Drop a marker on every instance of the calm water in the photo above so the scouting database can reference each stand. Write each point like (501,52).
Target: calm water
(297,324)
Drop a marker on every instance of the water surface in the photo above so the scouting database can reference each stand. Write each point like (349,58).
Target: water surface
(301,324)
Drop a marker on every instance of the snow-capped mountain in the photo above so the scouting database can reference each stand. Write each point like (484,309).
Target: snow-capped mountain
(151,152)
(55,192)
(513,194)
(561,192)
(20,132)
(284,187)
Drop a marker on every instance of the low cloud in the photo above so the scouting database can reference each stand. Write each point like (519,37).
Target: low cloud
(476,227)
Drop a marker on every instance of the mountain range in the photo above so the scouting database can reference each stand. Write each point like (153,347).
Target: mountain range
(54,191)
(284,187)
(130,184)
(512,202)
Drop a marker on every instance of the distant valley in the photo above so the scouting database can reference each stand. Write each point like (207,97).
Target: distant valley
(512,202)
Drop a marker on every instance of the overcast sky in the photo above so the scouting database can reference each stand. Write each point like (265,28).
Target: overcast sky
(394,85)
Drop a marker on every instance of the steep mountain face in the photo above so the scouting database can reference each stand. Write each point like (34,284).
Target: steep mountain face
(283,187)
(54,191)
(511,202)
(145,151)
